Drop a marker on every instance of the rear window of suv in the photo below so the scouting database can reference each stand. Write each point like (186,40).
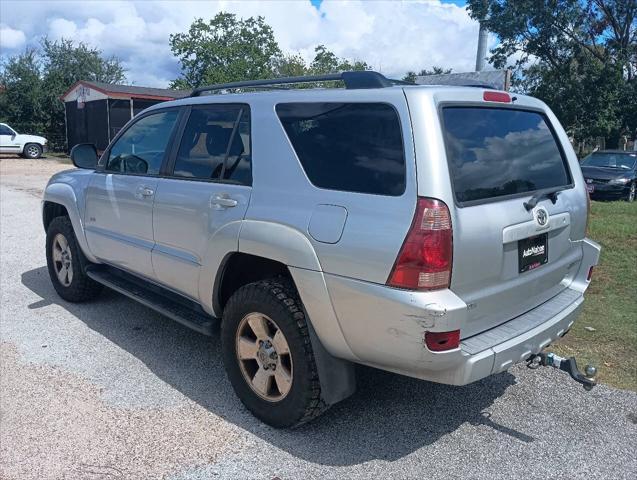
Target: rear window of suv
(495,152)
(354,147)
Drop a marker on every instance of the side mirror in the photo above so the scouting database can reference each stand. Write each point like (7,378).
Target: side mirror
(84,155)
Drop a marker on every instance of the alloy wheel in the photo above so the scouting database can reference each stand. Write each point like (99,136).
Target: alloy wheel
(33,151)
(264,357)
(62,260)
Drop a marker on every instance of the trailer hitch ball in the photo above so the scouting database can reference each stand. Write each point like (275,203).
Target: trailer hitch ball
(568,365)
(590,372)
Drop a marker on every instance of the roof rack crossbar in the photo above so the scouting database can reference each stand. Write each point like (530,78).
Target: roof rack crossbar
(352,80)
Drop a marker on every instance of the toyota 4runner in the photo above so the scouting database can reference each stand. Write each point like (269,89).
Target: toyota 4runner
(437,232)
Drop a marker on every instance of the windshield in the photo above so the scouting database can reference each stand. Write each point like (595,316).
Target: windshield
(495,152)
(624,161)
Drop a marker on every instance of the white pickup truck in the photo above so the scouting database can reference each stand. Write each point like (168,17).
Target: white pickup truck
(29,146)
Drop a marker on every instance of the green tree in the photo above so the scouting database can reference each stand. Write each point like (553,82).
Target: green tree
(229,49)
(326,61)
(291,65)
(580,56)
(411,75)
(34,81)
(21,99)
(225,49)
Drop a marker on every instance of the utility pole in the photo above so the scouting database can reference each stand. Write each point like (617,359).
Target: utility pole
(483,35)
(482,47)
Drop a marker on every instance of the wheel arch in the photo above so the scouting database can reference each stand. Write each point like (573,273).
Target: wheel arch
(238,269)
(60,199)
(336,375)
(50,210)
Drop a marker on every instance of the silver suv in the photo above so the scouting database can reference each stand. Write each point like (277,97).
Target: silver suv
(433,231)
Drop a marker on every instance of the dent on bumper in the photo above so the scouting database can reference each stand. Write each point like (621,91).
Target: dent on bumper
(384,327)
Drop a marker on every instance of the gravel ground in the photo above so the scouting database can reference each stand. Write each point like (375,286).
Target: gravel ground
(111,390)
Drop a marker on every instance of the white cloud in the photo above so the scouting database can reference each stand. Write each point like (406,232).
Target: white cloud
(393,36)
(10,38)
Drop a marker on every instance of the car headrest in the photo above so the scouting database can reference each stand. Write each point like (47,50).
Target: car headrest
(217,141)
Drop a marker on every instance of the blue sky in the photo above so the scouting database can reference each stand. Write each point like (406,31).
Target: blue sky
(392,36)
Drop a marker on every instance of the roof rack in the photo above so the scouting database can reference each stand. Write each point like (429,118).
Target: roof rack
(352,80)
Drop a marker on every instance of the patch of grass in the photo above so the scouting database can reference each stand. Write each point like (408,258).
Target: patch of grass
(60,157)
(611,300)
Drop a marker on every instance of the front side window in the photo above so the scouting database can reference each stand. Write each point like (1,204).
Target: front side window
(494,152)
(141,148)
(4,130)
(215,145)
(354,147)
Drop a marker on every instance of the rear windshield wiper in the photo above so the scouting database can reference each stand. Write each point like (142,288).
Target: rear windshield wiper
(551,194)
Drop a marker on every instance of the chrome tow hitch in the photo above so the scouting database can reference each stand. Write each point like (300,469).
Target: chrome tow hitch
(569,365)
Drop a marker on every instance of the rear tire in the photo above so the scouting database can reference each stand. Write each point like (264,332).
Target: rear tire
(259,365)
(32,150)
(66,262)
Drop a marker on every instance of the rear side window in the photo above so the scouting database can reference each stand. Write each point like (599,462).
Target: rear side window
(355,147)
(494,152)
(215,145)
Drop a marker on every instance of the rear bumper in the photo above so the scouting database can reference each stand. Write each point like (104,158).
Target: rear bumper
(385,327)
(500,356)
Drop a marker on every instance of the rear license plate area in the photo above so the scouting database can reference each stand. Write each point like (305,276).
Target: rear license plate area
(533,252)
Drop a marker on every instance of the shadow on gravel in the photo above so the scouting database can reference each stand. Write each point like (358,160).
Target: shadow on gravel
(388,417)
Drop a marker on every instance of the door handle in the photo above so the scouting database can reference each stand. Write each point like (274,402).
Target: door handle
(221,200)
(143,191)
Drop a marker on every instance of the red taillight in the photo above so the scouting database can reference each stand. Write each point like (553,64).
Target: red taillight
(502,97)
(424,261)
(590,274)
(441,341)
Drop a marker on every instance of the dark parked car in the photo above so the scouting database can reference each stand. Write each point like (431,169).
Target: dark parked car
(611,174)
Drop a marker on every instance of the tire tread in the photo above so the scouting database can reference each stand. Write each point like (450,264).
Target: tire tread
(82,287)
(282,291)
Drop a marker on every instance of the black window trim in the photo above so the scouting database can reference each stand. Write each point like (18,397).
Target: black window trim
(172,159)
(103,160)
(501,198)
(402,136)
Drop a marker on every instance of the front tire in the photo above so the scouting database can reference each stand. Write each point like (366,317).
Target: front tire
(268,355)
(632,192)
(65,262)
(32,150)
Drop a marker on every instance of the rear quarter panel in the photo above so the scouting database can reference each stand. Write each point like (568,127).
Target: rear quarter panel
(375,225)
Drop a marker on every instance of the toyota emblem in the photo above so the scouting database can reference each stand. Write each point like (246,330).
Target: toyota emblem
(541,216)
